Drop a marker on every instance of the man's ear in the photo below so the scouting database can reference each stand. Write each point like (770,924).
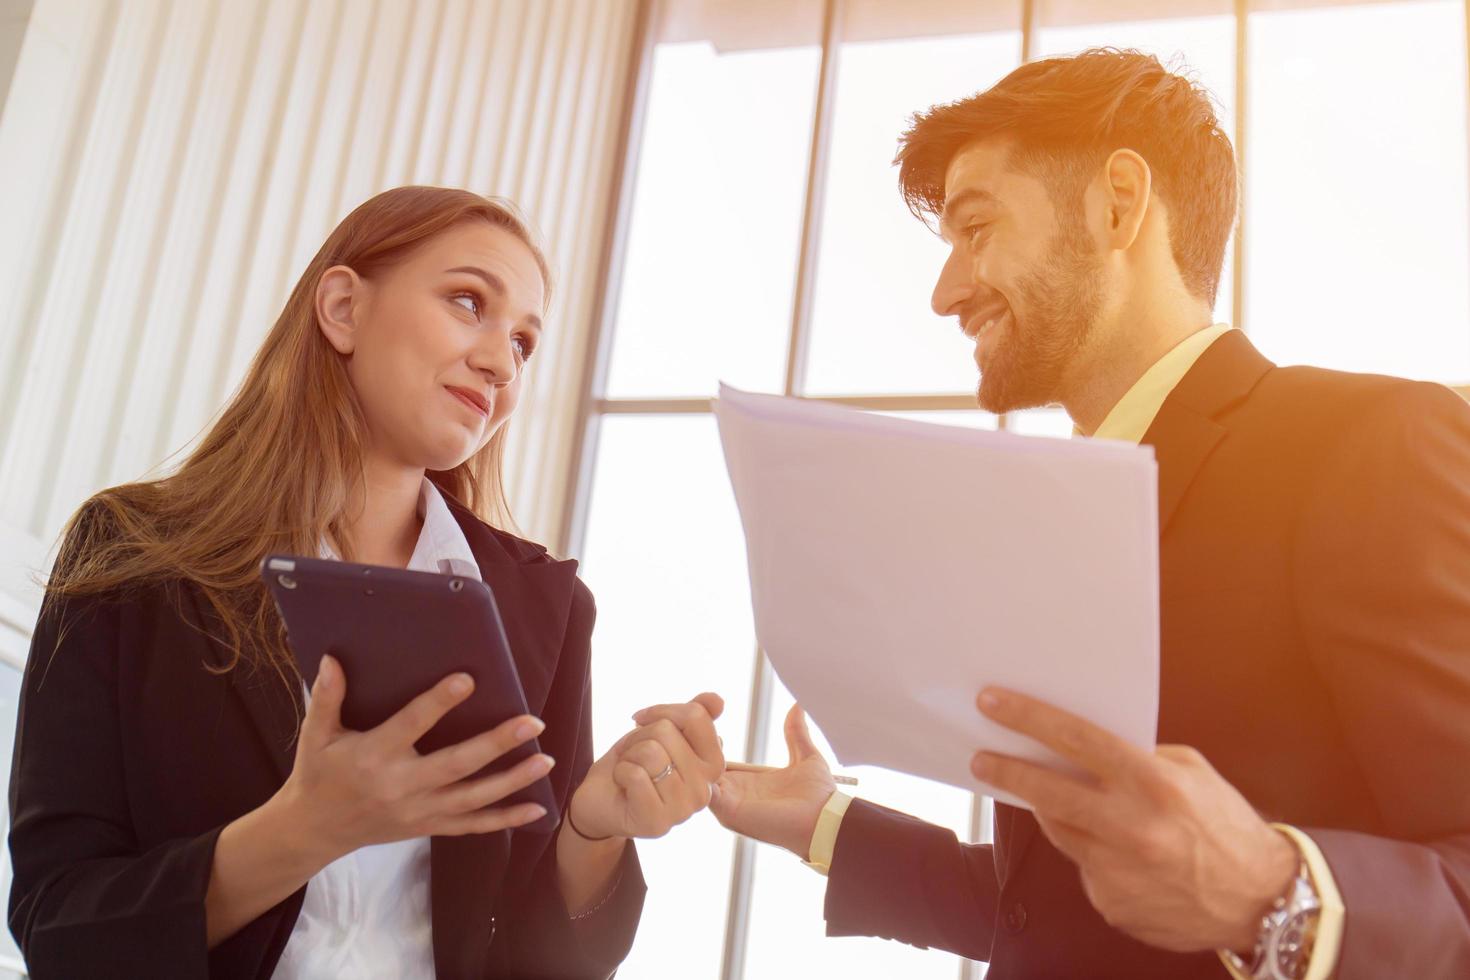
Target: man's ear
(1126,197)
(338,298)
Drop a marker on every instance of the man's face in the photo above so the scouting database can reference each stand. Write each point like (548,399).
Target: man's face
(1023,277)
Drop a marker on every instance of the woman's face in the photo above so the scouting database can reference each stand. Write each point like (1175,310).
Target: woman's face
(436,344)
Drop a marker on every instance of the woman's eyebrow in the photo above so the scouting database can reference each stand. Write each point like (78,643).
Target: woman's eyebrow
(495,284)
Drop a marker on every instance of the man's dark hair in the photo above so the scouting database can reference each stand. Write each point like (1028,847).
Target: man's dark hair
(1064,116)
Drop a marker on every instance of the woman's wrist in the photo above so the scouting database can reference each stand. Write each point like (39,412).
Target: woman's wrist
(305,843)
(575,819)
(586,868)
(260,858)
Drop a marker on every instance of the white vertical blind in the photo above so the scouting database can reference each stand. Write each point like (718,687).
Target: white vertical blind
(167,167)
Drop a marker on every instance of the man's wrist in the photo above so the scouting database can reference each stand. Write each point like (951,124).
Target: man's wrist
(1278,869)
(823,839)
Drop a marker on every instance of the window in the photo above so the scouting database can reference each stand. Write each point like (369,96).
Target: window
(766,245)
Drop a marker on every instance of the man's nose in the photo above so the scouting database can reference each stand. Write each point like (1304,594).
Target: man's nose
(953,288)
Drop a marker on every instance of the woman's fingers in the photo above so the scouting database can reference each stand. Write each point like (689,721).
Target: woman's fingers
(324,711)
(477,794)
(686,787)
(696,719)
(649,754)
(454,762)
(413,720)
(644,803)
(488,821)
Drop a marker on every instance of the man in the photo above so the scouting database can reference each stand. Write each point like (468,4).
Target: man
(1308,811)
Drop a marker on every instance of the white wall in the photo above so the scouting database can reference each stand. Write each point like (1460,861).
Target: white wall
(167,167)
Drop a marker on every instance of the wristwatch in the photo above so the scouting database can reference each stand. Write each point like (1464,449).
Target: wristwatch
(1284,943)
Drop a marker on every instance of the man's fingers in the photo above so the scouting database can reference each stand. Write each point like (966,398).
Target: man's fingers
(324,712)
(414,719)
(1071,841)
(1075,739)
(1050,793)
(798,737)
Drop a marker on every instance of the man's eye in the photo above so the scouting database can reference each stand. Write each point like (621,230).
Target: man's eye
(469,302)
(973,232)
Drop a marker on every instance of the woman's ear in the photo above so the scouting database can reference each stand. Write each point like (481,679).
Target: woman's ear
(338,300)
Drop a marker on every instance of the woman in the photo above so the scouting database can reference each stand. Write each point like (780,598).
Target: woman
(174,789)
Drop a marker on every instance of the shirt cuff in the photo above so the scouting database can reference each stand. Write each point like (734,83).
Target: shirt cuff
(1331,919)
(824,837)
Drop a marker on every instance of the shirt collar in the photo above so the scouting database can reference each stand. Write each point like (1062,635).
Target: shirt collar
(1131,417)
(442,546)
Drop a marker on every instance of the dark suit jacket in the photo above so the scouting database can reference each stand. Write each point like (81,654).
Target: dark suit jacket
(1315,604)
(131,756)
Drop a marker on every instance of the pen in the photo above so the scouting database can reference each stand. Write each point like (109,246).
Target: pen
(747,767)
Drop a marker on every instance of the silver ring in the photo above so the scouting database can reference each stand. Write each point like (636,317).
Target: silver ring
(667,771)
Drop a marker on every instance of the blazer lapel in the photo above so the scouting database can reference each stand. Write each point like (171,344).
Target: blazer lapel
(1183,434)
(274,709)
(534,595)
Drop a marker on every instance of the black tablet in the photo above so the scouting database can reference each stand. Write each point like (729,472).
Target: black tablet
(397,633)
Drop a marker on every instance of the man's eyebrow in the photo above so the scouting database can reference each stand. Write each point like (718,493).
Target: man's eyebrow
(495,284)
(971,195)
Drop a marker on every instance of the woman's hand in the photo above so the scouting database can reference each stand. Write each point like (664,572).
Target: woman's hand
(349,789)
(655,777)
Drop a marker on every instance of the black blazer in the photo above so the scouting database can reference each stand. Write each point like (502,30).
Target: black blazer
(131,756)
(1315,605)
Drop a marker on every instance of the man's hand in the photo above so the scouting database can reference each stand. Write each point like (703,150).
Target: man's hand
(782,806)
(1170,852)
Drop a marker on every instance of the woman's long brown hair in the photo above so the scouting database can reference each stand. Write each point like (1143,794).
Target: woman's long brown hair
(279,468)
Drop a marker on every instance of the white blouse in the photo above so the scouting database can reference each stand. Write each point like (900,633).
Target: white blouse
(367,914)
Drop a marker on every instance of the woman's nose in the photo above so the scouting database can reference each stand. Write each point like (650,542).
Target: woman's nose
(495,356)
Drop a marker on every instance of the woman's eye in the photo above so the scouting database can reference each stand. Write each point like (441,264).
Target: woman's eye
(469,302)
(524,348)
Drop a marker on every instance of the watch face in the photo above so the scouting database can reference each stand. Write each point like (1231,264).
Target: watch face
(1292,950)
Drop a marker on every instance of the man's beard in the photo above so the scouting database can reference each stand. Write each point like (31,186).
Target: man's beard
(1061,300)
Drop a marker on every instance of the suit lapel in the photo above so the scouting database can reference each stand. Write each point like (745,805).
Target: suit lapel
(1186,430)
(1183,435)
(275,711)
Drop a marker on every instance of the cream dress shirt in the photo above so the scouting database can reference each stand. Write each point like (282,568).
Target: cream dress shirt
(1129,421)
(367,914)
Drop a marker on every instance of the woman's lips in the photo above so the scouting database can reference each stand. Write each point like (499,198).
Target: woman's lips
(473,399)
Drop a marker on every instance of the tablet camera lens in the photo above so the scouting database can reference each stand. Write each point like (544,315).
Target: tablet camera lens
(456,584)
(287,582)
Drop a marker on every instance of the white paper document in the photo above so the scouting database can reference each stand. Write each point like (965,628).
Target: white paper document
(897,567)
